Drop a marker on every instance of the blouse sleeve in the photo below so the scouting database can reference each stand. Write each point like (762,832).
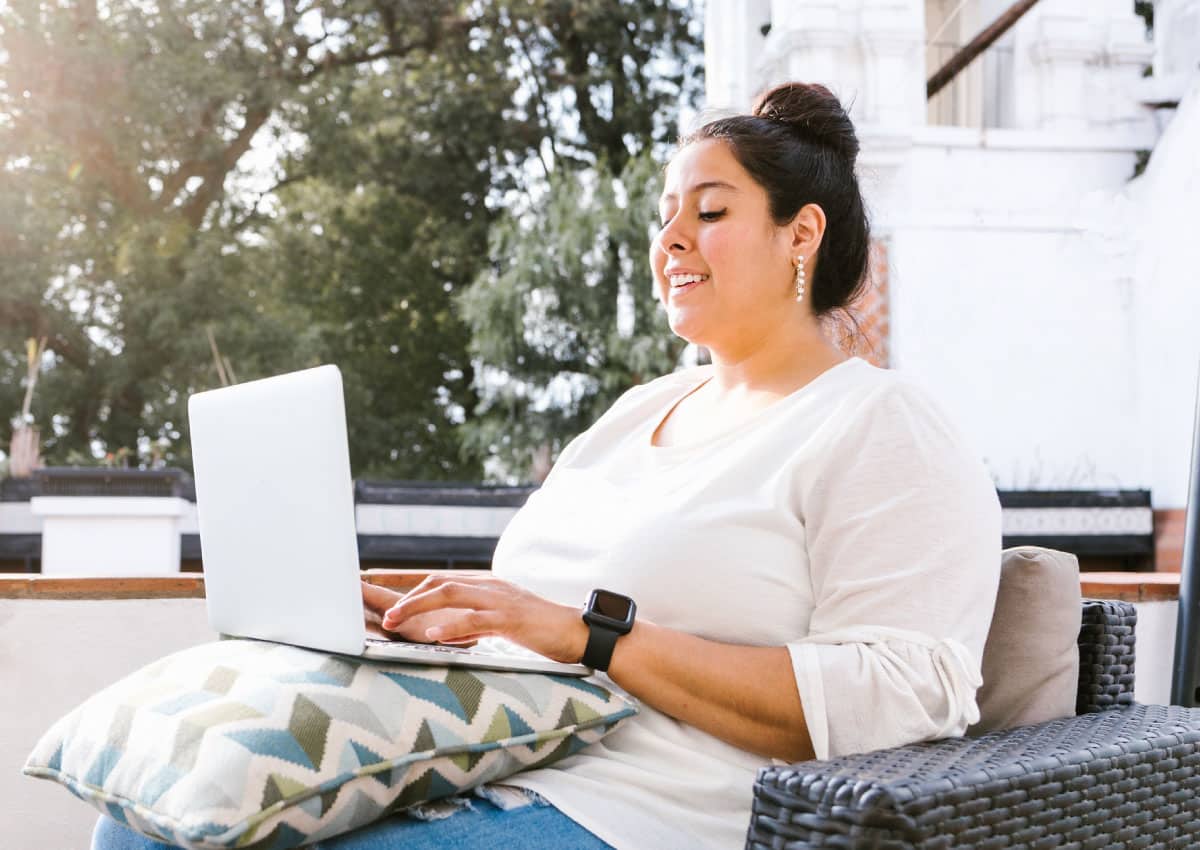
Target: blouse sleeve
(902,527)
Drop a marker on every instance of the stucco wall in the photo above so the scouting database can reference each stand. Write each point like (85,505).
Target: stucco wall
(1010,309)
(53,655)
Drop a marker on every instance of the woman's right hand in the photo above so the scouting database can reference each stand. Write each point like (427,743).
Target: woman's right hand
(376,602)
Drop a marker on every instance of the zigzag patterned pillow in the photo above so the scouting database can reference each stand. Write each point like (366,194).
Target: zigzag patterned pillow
(241,743)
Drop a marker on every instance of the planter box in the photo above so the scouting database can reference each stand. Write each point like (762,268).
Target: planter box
(417,522)
(103,536)
(1117,524)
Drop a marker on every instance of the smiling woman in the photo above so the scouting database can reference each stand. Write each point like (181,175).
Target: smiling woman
(783,555)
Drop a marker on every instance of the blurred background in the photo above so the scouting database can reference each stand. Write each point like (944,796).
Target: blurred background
(453,202)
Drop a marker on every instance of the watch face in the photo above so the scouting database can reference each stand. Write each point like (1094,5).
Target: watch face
(612,605)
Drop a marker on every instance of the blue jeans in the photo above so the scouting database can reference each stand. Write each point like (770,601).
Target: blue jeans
(477,825)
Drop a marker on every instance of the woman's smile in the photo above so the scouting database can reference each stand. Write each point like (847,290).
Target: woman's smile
(681,284)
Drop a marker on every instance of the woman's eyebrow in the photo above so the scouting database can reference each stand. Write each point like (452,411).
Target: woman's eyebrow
(700,187)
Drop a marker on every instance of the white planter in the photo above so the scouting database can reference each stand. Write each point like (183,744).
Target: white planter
(109,536)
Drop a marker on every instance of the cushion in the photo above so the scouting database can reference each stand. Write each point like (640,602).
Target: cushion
(1031,658)
(248,743)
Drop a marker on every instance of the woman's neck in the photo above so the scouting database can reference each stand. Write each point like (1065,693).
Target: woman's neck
(778,362)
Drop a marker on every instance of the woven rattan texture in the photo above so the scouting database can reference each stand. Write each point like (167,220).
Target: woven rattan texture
(1129,777)
(1107,651)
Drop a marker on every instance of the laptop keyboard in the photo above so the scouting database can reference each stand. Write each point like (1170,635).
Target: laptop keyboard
(425,647)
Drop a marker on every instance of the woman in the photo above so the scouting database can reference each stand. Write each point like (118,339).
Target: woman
(812,549)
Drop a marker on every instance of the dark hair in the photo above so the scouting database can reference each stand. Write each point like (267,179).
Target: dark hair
(799,145)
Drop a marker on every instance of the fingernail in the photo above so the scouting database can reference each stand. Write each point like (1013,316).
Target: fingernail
(433,633)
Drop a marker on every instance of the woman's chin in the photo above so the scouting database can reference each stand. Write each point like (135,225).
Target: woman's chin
(687,327)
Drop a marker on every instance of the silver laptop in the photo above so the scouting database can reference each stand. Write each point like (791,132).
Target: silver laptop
(276,508)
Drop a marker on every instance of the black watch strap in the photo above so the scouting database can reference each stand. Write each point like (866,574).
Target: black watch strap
(600,646)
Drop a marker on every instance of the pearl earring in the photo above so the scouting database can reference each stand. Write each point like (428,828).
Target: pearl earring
(800,278)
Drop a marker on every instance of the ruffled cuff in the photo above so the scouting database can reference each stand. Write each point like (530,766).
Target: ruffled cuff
(876,688)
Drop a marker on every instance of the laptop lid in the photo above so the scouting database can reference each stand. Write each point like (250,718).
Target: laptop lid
(275,502)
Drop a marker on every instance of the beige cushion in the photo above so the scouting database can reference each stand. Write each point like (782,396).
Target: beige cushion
(1031,659)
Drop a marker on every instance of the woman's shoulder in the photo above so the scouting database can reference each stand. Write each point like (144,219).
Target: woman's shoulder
(891,430)
(864,407)
(877,389)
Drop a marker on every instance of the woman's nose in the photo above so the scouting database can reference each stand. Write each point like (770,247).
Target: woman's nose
(671,241)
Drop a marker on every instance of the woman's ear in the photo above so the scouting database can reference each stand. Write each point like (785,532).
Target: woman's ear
(807,228)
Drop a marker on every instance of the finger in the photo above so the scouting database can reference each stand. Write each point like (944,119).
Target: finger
(434,580)
(379,599)
(448,595)
(469,626)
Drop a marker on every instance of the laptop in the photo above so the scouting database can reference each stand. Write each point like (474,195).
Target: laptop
(275,504)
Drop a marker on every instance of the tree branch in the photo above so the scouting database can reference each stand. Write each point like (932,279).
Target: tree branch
(175,181)
(395,46)
(216,169)
(594,127)
(27,317)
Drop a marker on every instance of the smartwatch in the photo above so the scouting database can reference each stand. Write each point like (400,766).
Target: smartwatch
(608,616)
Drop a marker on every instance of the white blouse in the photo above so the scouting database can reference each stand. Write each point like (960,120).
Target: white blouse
(848,521)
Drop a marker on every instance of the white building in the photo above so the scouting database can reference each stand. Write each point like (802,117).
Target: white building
(1046,298)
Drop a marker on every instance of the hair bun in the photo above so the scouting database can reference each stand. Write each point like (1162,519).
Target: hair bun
(812,112)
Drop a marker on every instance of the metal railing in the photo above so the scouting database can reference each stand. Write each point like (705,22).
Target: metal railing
(979,96)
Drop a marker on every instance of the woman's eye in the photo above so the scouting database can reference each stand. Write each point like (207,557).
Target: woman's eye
(711,215)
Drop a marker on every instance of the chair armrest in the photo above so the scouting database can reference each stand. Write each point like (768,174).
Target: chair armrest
(1095,779)
(1107,653)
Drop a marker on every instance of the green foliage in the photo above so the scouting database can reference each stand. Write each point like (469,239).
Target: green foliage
(1145,9)
(566,318)
(133,222)
(120,131)
(1141,158)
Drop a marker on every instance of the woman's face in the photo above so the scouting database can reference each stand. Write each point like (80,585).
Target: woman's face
(723,269)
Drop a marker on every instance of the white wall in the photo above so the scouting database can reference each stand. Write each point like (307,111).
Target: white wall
(53,655)
(1161,211)
(1155,652)
(1010,310)
(1051,304)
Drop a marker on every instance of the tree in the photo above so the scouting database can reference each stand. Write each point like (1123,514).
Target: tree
(392,224)
(566,318)
(121,132)
(136,232)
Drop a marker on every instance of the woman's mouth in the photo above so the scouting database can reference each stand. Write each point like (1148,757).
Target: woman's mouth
(681,283)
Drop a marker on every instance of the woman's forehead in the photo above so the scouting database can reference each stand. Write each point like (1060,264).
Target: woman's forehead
(703,165)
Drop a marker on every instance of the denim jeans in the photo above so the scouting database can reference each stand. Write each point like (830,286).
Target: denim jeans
(478,823)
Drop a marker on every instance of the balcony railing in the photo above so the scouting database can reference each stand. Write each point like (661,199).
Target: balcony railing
(980,96)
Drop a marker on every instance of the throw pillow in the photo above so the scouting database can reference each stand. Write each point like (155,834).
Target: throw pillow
(1031,658)
(241,743)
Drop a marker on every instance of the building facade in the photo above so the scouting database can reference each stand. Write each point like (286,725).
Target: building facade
(1021,272)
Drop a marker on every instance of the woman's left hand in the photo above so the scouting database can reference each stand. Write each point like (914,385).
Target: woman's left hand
(491,606)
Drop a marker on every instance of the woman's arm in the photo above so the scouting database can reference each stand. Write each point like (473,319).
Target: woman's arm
(902,529)
(743,695)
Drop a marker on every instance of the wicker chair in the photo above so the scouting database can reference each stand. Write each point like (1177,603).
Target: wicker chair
(1119,774)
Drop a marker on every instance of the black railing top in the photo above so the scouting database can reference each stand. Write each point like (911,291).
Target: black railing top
(101,481)
(93,481)
(1074,498)
(463,494)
